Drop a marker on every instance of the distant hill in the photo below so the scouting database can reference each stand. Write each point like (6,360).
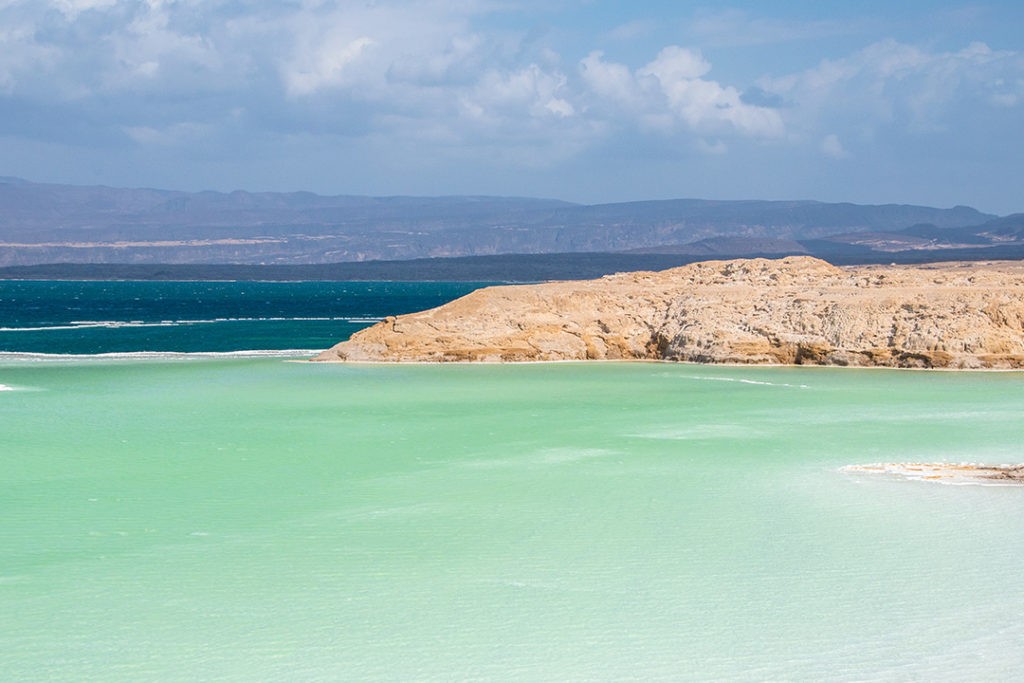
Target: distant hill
(43,223)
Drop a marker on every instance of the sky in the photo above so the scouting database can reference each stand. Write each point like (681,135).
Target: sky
(584,100)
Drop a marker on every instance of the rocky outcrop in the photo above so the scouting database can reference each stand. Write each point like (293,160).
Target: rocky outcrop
(949,473)
(796,310)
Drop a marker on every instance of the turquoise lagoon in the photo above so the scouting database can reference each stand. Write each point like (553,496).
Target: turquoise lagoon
(257,519)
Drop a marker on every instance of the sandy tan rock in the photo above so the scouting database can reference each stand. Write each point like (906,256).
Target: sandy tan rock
(950,473)
(796,310)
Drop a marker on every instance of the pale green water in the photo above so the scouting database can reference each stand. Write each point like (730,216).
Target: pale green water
(260,520)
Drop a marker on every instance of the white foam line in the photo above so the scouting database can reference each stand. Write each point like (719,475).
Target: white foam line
(158,355)
(749,381)
(114,324)
(76,326)
(4,387)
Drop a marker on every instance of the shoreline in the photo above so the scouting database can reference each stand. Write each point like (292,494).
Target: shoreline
(308,356)
(666,361)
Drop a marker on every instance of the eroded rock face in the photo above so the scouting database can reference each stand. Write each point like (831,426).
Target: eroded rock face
(796,310)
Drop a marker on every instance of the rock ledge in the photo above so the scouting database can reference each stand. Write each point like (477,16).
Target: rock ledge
(796,310)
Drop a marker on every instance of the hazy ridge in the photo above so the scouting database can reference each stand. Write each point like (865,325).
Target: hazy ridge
(49,224)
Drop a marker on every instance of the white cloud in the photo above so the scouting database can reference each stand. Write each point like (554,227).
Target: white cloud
(610,80)
(675,64)
(379,51)
(355,69)
(22,54)
(832,147)
(324,67)
(443,77)
(531,91)
(154,50)
(891,84)
(454,62)
(76,49)
(671,93)
(72,8)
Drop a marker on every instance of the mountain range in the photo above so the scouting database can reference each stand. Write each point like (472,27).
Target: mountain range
(66,224)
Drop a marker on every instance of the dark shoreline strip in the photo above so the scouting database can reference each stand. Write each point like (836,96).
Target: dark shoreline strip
(496,268)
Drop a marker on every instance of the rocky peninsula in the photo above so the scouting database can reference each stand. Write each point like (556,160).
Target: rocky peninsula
(795,310)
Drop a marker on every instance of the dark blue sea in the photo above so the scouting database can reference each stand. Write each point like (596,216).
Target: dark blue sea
(72,317)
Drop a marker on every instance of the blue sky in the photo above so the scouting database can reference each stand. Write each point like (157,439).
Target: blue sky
(585,100)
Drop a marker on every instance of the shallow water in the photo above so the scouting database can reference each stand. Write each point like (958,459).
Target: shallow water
(249,519)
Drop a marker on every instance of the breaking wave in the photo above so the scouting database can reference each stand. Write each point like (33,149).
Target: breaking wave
(14,356)
(114,324)
(747,381)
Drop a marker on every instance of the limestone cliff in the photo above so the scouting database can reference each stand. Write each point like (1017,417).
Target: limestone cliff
(796,310)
